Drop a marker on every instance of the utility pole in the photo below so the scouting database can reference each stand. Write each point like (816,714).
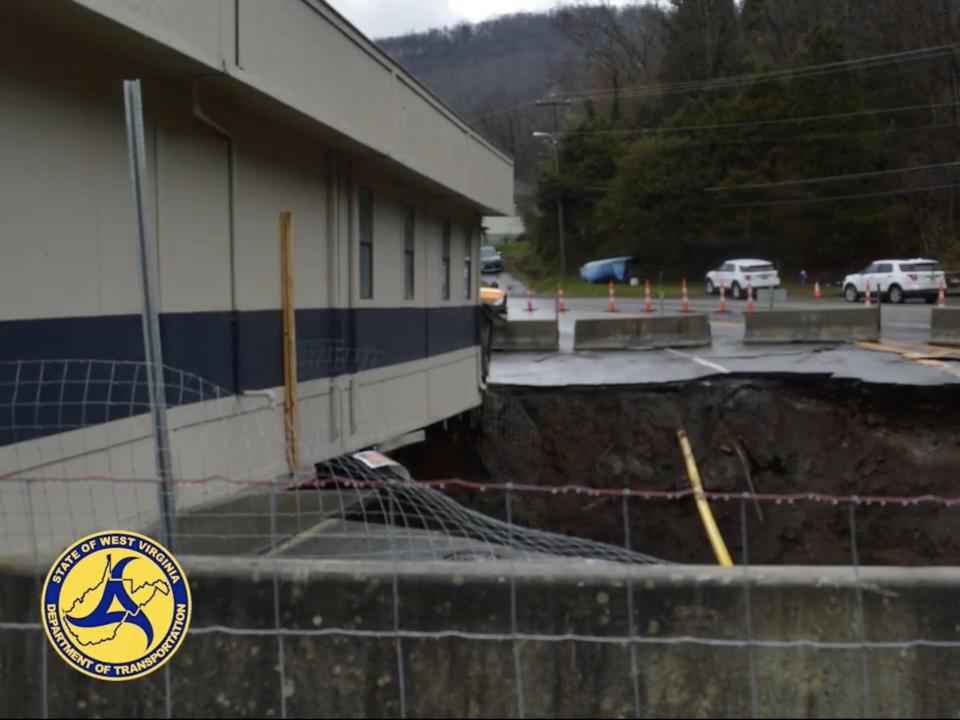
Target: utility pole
(554,103)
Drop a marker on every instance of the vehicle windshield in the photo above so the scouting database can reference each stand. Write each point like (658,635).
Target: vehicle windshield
(758,268)
(921,267)
(488,251)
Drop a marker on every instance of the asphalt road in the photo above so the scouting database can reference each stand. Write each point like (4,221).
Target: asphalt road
(902,357)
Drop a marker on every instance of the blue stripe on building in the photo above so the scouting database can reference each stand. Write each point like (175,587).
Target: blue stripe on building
(41,399)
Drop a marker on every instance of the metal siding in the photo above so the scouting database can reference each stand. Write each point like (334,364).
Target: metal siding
(195,27)
(70,281)
(300,53)
(65,201)
(194,221)
(290,48)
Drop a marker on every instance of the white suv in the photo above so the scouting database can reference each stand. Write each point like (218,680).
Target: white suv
(897,279)
(734,275)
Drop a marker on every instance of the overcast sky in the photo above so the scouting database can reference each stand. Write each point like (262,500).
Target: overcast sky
(382,18)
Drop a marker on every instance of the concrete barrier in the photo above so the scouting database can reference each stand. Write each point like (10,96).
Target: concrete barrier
(691,623)
(945,326)
(644,332)
(762,297)
(816,326)
(526,335)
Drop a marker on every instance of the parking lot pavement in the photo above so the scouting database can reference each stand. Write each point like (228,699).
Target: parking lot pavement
(901,358)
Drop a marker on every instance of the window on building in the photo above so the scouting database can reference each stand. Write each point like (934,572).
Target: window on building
(409,278)
(468,264)
(365,210)
(445,262)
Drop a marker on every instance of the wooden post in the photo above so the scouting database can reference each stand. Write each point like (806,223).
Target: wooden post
(289,344)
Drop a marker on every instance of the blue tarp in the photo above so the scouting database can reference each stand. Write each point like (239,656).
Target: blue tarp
(603,270)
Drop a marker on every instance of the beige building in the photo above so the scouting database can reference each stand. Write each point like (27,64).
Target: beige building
(251,108)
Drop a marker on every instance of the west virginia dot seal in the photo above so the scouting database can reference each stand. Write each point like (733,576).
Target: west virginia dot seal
(116,605)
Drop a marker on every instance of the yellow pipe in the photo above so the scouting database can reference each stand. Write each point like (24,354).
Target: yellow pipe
(706,515)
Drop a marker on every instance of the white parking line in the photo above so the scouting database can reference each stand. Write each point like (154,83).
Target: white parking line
(699,361)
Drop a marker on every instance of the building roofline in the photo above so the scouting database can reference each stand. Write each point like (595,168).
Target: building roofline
(369,46)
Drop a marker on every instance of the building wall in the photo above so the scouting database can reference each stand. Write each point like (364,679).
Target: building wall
(369,369)
(302,53)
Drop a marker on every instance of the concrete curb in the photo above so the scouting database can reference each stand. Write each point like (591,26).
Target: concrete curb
(642,332)
(844,325)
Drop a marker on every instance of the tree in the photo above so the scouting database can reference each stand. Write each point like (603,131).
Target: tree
(799,223)
(703,41)
(588,161)
(656,209)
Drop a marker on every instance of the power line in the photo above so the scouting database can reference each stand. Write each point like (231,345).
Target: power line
(803,138)
(786,73)
(800,181)
(834,178)
(835,198)
(760,123)
(745,79)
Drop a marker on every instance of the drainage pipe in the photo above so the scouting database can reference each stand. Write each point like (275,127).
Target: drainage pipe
(218,129)
(706,515)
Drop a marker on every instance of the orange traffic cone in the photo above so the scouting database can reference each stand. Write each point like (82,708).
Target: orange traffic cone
(529,307)
(749,297)
(723,299)
(816,291)
(684,299)
(942,296)
(647,301)
(866,296)
(561,306)
(611,304)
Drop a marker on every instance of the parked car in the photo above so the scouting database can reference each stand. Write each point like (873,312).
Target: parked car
(898,280)
(491,261)
(617,269)
(733,275)
(494,298)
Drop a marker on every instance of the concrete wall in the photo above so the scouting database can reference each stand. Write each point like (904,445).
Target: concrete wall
(460,659)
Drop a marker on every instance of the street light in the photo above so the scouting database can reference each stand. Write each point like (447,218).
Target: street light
(555,141)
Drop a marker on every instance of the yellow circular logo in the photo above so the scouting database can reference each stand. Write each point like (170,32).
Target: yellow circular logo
(116,605)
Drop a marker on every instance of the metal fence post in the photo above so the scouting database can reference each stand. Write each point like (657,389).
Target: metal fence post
(153,353)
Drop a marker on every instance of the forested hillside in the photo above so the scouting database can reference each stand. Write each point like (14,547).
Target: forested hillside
(819,133)
(490,72)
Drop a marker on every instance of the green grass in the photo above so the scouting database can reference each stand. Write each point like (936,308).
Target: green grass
(575,286)
(520,261)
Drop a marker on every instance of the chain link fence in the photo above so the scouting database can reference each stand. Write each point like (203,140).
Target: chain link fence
(354,589)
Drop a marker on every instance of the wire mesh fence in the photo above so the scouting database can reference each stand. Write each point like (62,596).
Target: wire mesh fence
(511,443)
(352,588)
(415,569)
(319,358)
